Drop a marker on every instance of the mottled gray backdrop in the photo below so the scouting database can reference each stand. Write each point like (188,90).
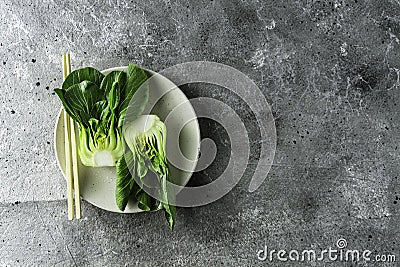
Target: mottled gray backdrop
(330,70)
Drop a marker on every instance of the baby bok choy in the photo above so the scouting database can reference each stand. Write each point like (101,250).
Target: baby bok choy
(98,104)
(145,166)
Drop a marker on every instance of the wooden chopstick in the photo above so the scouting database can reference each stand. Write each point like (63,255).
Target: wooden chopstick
(68,163)
(71,155)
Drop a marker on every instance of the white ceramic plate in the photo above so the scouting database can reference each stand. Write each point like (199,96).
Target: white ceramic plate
(97,185)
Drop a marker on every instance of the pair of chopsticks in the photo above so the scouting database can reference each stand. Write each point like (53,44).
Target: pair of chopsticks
(71,156)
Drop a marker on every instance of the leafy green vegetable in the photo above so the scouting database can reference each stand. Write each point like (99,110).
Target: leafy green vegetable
(127,188)
(98,103)
(136,87)
(80,75)
(146,139)
(124,183)
(81,98)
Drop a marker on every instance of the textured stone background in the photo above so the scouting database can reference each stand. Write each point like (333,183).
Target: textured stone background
(330,70)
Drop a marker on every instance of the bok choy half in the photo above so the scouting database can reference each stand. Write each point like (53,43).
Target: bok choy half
(98,104)
(145,166)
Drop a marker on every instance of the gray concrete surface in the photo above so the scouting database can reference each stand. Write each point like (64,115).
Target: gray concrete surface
(330,70)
